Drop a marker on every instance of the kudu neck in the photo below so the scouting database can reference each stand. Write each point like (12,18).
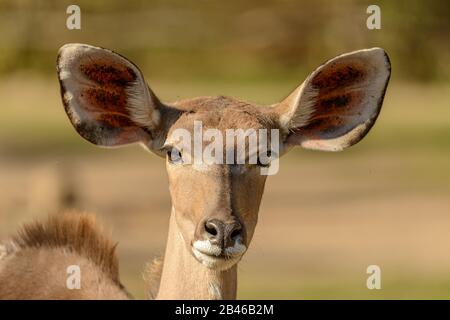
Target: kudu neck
(183,277)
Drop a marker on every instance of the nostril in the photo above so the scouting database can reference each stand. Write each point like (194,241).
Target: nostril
(236,232)
(223,234)
(210,228)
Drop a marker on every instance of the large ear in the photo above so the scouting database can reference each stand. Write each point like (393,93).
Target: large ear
(338,103)
(106,97)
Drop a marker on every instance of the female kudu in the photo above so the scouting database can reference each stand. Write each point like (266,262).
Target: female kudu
(214,205)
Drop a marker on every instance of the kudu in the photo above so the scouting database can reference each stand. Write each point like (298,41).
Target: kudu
(215,206)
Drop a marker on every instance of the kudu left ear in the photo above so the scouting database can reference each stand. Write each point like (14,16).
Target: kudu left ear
(338,103)
(107,99)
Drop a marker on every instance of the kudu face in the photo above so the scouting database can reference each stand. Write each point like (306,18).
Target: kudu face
(216,203)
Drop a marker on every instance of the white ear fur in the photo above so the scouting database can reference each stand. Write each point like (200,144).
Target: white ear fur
(296,116)
(142,110)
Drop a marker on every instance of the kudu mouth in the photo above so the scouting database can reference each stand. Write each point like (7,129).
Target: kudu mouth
(220,244)
(214,257)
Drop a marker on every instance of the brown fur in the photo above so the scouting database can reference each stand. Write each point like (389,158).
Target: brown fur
(152,277)
(34,262)
(77,233)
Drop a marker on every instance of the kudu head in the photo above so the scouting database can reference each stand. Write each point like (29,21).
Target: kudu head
(216,190)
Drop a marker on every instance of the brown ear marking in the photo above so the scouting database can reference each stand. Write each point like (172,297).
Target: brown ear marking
(108,74)
(117,126)
(108,98)
(109,114)
(338,76)
(109,93)
(339,102)
(327,126)
(105,96)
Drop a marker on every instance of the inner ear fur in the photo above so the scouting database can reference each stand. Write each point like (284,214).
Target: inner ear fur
(106,97)
(338,103)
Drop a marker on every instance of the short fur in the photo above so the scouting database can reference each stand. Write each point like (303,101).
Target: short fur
(78,233)
(64,239)
(152,277)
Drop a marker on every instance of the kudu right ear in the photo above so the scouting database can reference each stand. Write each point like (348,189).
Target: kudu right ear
(107,99)
(338,103)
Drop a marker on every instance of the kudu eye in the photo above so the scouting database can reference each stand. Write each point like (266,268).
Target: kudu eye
(174,156)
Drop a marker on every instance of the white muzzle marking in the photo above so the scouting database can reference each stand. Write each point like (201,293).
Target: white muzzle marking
(213,257)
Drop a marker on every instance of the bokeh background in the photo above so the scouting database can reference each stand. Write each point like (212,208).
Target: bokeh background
(325,217)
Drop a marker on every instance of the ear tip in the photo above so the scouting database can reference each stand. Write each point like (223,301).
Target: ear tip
(74,49)
(381,54)
(381,51)
(75,45)
(69,47)
(68,52)
(376,49)
(387,60)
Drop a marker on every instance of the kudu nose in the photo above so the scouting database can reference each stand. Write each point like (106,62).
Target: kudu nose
(222,233)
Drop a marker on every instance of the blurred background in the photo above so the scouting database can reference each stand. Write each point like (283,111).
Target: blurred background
(325,217)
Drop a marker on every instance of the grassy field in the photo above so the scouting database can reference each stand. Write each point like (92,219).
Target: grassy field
(324,218)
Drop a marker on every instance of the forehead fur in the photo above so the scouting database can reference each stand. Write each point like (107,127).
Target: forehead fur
(223,113)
